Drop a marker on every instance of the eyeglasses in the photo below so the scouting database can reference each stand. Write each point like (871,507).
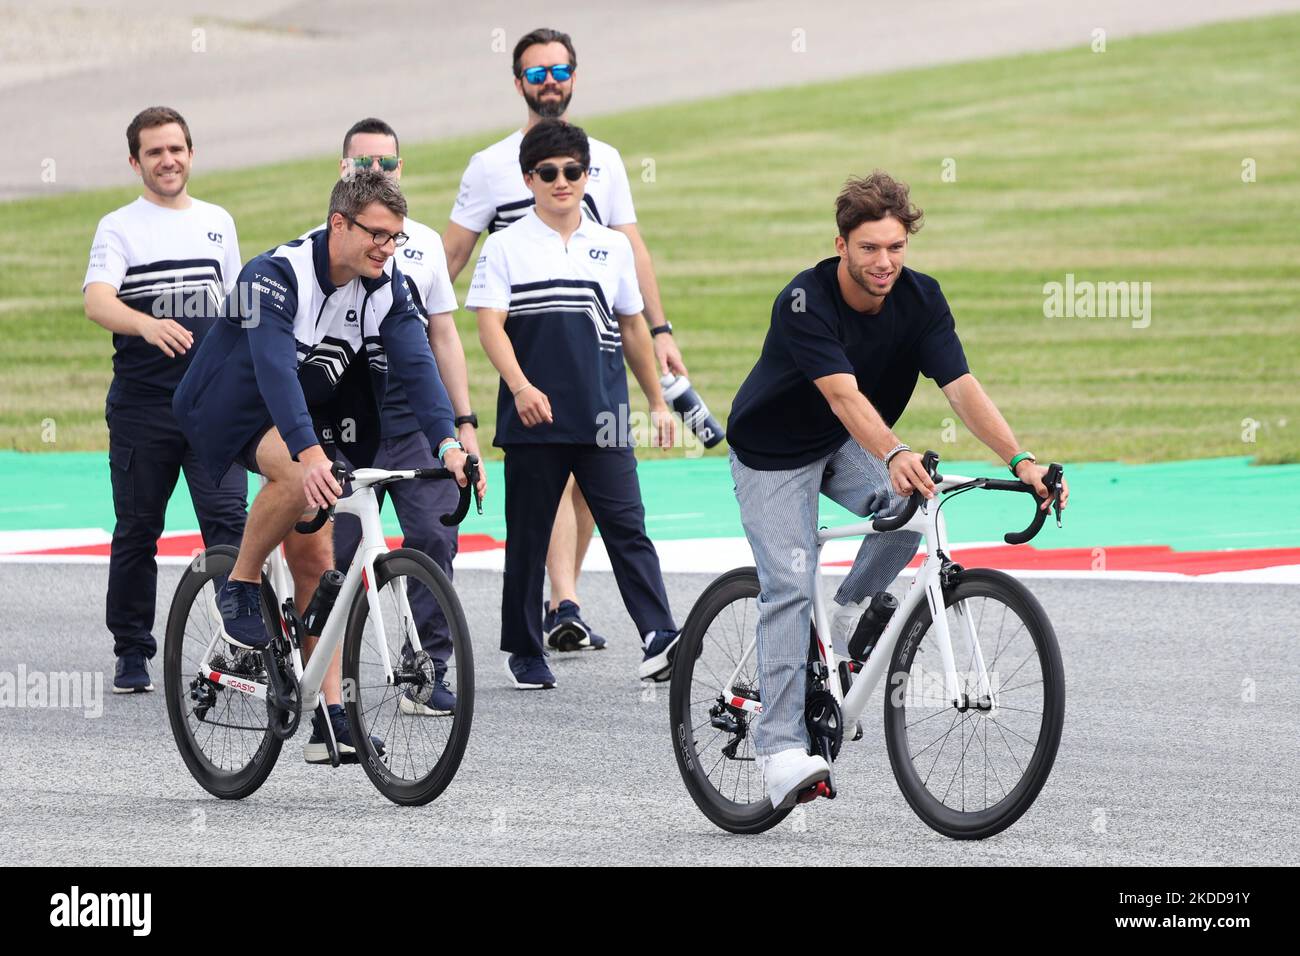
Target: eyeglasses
(549,172)
(381,238)
(387,163)
(536,75)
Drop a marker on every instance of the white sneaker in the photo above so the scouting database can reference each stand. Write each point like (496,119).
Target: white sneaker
(789,772)
(844,621)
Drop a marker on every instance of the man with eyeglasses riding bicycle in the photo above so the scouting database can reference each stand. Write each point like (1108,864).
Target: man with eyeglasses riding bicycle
(302,359)
(848,340)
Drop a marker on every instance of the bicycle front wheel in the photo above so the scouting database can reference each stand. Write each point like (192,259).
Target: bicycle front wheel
(223,735)
(712,737)
(398,668)
(971,769)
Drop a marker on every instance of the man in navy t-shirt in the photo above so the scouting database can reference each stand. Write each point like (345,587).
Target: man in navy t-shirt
(848,341)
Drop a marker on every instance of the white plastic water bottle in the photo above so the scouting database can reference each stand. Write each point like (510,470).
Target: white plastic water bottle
(684,400)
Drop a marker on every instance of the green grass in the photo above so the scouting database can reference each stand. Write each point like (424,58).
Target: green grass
(1122,166)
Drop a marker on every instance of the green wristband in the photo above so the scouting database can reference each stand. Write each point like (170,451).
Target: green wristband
(1023,456)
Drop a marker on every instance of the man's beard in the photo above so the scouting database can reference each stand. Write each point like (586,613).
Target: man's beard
(861,277)
(548,109)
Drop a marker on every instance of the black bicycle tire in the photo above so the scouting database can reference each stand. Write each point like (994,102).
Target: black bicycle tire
(979,825)
(216,560)
(428,788)
(738,584)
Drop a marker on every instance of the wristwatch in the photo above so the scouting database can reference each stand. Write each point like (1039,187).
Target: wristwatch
(667,327)
(471,419)
(1023,456)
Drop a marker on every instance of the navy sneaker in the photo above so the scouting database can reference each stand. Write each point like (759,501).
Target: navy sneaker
(436,700)
(317,752)
(657,664)
(565,630)
(241,613)
(132,675)
(529,673)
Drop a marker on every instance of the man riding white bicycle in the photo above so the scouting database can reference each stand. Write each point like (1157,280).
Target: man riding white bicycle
(848,340)
(306,348)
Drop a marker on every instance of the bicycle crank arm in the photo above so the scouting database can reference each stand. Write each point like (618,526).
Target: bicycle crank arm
(282,696)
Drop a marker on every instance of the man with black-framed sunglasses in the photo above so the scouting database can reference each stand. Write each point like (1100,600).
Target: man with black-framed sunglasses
(559,310)
(493,196)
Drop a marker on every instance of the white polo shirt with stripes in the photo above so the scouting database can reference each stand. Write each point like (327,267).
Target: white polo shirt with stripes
(562,304)
(493,195)
(176,264)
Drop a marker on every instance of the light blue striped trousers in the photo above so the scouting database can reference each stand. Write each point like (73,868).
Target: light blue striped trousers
(779,512)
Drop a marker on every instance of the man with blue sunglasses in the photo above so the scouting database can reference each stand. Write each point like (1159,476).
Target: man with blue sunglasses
(492,196)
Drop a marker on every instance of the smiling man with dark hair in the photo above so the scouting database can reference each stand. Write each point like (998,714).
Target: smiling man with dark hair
(159,270)
(849,339)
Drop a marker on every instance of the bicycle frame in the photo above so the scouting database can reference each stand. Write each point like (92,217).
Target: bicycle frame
(927,585)
(364,504)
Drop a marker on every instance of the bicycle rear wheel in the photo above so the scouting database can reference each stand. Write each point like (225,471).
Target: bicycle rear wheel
(970,774)
(711,736)
(223,735)
(423,745)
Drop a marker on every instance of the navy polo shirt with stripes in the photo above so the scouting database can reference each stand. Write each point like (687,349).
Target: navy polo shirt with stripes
(176,264)
(562,305)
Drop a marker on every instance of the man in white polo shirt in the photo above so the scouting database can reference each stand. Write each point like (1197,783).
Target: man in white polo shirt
(557,302)
(492,196)
(372,144)
(160,270)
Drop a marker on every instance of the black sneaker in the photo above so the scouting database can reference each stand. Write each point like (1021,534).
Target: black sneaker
(241,615)
(431,700)
(657,664)
(529,672)
(565,630)
(132,675)
(317,751)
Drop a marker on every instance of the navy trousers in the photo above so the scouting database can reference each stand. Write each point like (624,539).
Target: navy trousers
(419,505)
(535,476)
(146,454)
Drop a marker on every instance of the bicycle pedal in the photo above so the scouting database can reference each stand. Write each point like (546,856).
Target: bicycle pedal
(819,789)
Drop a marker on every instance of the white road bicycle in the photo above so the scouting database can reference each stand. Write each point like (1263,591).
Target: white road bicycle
(975,696)
(231,709)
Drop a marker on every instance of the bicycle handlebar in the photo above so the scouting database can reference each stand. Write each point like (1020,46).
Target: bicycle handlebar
(340,474)
(929,461)
(1052,480)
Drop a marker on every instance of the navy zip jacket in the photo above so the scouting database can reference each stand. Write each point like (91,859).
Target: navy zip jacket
(289,351)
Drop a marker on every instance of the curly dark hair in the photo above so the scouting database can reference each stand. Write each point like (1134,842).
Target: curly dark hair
(872,198)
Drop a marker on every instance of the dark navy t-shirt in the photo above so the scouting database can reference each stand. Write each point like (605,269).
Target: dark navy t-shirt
(779,420)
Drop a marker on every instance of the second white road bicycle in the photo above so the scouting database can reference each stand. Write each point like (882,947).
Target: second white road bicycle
(975,692)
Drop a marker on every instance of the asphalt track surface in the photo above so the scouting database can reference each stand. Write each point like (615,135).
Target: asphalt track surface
(269,80)
(1180,747)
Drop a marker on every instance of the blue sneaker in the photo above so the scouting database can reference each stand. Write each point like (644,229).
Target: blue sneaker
(657,664)
(565,630)
(529,673)
(432,700)
(241,614)
(132,675)
(317,752)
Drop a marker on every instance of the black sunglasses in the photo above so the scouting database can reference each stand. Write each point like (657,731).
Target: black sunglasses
(548,172)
